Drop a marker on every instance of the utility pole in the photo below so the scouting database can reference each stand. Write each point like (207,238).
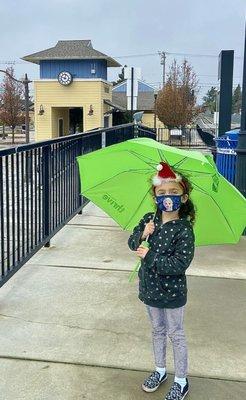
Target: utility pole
(155,97)
(25,83)
(162,54)
(240,178)
(132,88)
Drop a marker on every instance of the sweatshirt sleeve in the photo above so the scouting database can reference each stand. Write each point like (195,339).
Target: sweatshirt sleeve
(179,260)
(134,240)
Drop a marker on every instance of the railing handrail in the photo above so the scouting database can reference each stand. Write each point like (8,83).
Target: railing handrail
(40,190)
(66,138)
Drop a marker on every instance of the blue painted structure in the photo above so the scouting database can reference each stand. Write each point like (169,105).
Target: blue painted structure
(226,155)
(49,69)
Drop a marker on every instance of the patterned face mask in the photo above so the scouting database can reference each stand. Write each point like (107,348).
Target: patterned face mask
(168,202)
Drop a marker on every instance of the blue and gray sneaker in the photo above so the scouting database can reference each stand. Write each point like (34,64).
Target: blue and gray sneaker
(176,393)
(153,381)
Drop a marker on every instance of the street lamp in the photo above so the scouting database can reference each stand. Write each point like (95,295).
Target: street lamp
(25,82)
(240,177)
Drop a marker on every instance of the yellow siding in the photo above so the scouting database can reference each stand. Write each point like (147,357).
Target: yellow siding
(106,93)
(52,95)
(149,120)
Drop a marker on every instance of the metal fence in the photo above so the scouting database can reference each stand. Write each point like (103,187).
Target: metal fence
(187,137)
(40,190)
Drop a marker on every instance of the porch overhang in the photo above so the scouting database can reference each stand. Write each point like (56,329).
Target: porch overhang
(113,105)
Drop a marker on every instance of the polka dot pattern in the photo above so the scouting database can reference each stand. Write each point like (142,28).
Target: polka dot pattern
(162,279)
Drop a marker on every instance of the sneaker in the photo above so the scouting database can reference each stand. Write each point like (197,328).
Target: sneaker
(175,393)
(153,381)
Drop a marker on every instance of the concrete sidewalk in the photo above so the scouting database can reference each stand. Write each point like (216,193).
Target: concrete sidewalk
(72,326)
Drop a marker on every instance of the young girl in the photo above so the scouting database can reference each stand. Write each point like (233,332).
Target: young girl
(162,280)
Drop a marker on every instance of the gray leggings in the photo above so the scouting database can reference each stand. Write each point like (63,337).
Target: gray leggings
(169,321)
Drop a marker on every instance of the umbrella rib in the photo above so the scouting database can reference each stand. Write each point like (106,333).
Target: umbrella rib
(137,155)
(217,207)
(161,155)
(137,208)
(108,179)
(198,172)
(201,190)
(181,161)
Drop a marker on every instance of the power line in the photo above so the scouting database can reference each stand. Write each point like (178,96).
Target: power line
(205,76)
(140,55)
(199,85)
(171,53)
(12,62)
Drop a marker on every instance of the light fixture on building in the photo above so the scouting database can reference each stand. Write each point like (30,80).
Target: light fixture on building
(91,111)
(41,110)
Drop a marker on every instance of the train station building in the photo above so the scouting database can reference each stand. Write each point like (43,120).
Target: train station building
(72,93)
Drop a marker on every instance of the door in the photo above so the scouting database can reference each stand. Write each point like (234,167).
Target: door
(60,127)
(76,120)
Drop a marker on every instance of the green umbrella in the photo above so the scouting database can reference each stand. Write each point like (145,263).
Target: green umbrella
(117,179)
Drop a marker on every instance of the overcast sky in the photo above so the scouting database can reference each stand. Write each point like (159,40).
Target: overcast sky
(128,27)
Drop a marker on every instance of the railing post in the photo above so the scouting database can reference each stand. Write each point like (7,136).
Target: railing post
(41,180)
(80,201)
(46,193)
(103,139)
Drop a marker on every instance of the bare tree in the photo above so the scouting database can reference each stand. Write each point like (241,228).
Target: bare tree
(11,113)
(176,102)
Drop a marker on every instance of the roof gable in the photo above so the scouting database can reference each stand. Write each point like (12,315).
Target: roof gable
(145,100)
(145,87)
(70,49)
(120,87)
(142,87)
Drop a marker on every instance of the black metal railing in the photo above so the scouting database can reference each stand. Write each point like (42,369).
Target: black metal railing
(187,137)
(40,190)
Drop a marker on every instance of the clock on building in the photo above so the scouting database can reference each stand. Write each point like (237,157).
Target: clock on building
(65,78)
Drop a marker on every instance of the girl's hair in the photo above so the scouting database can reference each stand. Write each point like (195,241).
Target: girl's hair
(186,209)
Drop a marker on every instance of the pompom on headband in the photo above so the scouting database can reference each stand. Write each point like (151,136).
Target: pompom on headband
(166,174)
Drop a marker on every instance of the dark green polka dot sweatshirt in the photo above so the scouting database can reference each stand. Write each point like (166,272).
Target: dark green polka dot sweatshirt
(162,280)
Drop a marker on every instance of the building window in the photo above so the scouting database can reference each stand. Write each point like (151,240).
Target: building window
(93,69)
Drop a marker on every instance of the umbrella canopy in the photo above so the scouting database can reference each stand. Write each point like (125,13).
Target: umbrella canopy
(118,180)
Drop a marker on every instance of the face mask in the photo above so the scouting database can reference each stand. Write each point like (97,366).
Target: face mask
(168,202)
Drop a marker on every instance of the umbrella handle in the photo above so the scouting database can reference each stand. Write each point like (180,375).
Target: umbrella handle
(133,274)
(153,220)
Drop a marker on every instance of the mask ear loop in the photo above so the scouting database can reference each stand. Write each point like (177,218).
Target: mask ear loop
(185,190)
(184,187)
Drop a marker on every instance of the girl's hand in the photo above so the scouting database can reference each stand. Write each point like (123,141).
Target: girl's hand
(149,229)
(142,251)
